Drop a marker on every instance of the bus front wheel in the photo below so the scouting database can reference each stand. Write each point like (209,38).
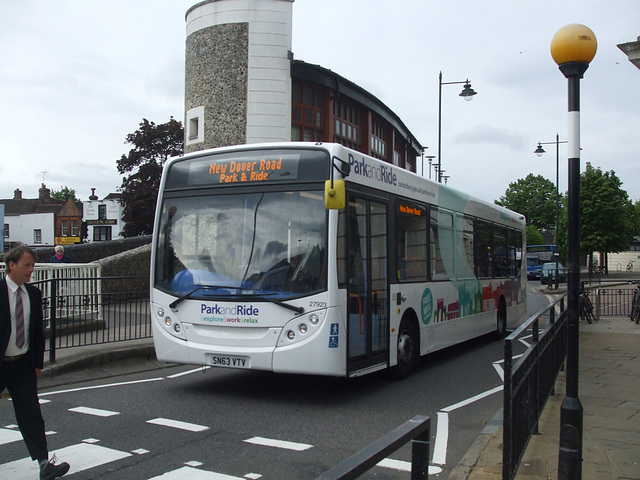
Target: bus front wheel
(407,349)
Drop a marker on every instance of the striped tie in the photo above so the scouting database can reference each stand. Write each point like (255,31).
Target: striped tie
(19,319)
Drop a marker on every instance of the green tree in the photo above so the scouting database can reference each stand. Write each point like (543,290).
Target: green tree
(608,219)
(534,197)
(65,193)
(153,145)
(534,237)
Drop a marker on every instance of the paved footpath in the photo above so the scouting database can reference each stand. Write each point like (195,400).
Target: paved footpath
(609,390)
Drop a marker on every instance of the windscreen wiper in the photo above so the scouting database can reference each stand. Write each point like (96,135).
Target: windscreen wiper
(279,303)
(179,300)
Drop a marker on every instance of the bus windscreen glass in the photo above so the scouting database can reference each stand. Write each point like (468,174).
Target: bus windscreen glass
(268,244)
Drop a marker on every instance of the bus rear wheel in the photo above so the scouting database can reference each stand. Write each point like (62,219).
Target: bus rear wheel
(501,321)
(407,350)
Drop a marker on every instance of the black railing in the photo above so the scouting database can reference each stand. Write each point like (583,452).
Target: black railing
(530,381)
(418,430)
(94,310)
(614,300)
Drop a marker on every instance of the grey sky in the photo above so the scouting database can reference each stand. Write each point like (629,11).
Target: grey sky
(76,76)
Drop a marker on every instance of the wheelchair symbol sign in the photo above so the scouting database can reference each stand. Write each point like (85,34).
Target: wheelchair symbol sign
(333,338)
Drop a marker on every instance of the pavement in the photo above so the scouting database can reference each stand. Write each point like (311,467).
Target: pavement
(609,390)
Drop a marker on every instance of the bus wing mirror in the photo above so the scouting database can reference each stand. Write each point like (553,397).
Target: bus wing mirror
(334,194)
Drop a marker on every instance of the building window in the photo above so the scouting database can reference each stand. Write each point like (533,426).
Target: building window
(101,234)
(379,147)
(194,126)
(74,228)
(102,212)
(37,235)
(307,118)
(400,153)
(6,230)
(64,228)
(348,125)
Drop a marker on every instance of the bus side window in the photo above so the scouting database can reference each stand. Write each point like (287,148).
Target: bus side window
(484,254)
(440,243)
(411,244)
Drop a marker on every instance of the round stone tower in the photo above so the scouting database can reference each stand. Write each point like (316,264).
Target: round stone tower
(237,73)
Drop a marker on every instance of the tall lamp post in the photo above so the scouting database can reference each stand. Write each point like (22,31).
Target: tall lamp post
(467,93)
(539,151)
(572,48)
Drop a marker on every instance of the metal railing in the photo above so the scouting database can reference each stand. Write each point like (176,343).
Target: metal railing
(418,430)
(530,381)
(93,310)
(614,300)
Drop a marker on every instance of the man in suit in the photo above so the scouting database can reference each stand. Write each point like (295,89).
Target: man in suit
(22,355)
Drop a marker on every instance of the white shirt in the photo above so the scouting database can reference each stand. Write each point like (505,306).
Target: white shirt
(14,289)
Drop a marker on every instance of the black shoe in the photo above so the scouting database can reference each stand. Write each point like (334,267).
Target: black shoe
(51,470)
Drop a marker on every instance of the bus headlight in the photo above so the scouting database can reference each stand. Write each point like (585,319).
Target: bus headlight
(170,323)
(302,328)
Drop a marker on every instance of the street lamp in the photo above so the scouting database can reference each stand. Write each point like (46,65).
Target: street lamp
(539,151)
(467,93)
(572,48)
(428,157)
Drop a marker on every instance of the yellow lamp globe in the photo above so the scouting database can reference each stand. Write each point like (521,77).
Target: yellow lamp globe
(574,43)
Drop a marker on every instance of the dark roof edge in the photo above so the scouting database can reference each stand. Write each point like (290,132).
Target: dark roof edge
(316,74)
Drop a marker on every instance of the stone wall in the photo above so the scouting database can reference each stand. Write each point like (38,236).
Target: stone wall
(216,77)
(90,252)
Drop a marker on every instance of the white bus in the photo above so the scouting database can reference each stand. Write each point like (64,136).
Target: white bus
(316,259)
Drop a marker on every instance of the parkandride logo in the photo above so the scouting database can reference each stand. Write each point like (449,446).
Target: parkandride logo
(229,313)
(381,173)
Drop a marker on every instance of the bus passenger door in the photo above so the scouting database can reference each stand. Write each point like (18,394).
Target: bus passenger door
(368,305)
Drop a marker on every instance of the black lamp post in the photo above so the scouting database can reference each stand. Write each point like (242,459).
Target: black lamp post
(539,151)
(572,48)
(467,93)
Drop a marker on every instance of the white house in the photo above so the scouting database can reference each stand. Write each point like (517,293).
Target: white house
(34,229)
(103,218)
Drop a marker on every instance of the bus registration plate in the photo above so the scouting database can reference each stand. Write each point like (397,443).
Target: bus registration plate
(229,361)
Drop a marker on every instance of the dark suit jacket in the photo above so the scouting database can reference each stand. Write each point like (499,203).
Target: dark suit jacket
(36,330)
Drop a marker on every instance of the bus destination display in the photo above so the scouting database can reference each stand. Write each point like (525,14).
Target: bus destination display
(262,170)
(239,168)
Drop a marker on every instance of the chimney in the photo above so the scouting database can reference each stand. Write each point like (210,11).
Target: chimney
(44,194)
(17,194)
(93,195)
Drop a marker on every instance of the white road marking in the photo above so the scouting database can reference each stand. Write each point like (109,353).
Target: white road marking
(94,411)
(473,399)
(96,387)
(9,436)
(189,372)
(442,440)
(167,422)
(80,457)
(194,474)
(269,442)
(403,466)
(399,465)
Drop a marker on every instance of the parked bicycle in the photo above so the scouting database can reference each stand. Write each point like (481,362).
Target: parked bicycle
(586,307)
(635,306)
